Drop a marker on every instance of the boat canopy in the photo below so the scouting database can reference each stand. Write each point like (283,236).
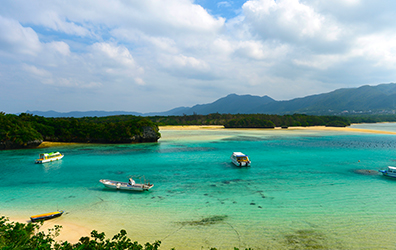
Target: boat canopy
(239,154)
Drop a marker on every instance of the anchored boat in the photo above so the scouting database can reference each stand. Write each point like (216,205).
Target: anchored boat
(48,157)
(46,216)
(240,159)
(131,185)
(390,171)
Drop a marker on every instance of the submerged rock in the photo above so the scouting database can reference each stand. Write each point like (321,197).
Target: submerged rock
(365,171)
(205,221)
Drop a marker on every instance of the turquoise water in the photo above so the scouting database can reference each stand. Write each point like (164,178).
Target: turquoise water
(304,190)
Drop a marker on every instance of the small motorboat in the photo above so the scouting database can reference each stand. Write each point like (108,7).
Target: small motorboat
(48,157)
(131,185)
(240,159)
(46,216)
(390,172)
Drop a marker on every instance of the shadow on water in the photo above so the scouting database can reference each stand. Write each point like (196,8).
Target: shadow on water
(365,171)
(110,190)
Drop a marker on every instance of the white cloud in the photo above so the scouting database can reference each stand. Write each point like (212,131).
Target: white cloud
(289,21)
(119,49)
(60,47)
(185,66)
(14,38)
(380,49)
(36,71)
(115,61)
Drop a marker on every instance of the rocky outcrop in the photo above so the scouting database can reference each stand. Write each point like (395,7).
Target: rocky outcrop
(150,134)
(14,145)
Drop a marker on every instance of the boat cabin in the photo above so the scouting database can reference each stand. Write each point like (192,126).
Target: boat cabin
(240,159)
(391,170)
(49,155)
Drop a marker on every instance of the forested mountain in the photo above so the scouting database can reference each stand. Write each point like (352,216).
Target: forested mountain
(365,100)
(231,104)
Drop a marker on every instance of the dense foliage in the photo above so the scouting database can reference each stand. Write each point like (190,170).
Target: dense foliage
(15,235)
(21,236)
(374,118)
(252,120)
(22,129)
(25,129)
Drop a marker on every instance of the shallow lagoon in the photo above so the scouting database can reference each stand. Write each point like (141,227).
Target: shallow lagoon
(305,190)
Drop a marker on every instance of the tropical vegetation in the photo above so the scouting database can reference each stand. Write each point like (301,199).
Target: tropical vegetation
(252,120)
(18,131)
(21,236)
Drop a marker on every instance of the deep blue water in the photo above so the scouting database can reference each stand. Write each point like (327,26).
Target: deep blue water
(305,189)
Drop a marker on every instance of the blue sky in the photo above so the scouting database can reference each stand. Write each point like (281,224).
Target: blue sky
(152,55)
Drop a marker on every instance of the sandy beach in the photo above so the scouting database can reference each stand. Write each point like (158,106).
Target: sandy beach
(69,232)
(191,127)
(47,144)
(316,128)
(346,129)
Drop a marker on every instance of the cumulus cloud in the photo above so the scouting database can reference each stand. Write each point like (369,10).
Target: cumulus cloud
(36,71)
(118,49)
(289,21)
(116,61)
(14,38)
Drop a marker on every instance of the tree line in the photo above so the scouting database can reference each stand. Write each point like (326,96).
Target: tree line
(26,130)
(252,120)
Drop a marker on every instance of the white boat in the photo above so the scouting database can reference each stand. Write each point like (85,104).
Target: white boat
(240,159)
(131,185)
(390,171)
(48,157)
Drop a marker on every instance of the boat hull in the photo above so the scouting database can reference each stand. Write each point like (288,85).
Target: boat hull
(46,216)
(126,186)
(240,164)
(39,161)
(387,174)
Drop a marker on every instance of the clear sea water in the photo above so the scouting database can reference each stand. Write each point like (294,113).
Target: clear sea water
(305,189)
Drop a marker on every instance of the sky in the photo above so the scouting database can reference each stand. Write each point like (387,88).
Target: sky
(156,55)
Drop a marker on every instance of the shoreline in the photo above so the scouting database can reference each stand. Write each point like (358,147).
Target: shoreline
(49,144)
(69,232)
(316,128)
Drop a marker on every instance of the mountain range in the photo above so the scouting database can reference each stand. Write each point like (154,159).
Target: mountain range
(365,99)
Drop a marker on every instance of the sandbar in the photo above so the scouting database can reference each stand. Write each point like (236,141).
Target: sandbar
(190,127)
(317,128)
(345,129)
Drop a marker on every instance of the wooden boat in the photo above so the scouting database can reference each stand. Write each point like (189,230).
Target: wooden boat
(240,159)
(390,172)
(131,185)
(46,216)
(48,157)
